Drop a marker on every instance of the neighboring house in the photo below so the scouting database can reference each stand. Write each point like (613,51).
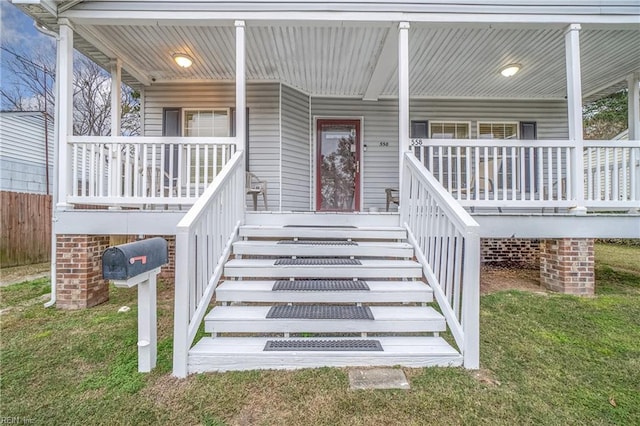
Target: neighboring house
(468,115)
(27,147)
(26,152)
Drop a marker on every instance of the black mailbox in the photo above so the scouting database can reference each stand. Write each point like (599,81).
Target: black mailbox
(128,260)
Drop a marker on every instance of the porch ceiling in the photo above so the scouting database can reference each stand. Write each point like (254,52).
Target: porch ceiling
(339,60)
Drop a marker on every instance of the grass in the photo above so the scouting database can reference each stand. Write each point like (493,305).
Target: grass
(546,359)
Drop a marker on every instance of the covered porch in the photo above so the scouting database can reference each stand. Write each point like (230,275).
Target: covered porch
(495,143)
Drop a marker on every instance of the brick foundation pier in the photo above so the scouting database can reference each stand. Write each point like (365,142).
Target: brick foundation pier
(566,265)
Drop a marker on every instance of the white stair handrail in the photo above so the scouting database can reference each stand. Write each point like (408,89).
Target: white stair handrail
(447,245)
(204,239)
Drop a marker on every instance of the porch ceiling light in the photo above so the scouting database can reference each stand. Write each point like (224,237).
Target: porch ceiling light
(510,70)
(183,60)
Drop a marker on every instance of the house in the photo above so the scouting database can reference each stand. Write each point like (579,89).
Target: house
(26,182)
(26,152)
(468,114)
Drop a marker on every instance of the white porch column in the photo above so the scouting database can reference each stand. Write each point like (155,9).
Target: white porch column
(116,108)
(241,90)
(574,116)
(241,99)
(116,95)
(634,128)
(634,107)
(64,101)
(403,101)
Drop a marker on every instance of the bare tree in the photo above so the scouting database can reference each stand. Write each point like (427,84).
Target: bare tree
(30,87)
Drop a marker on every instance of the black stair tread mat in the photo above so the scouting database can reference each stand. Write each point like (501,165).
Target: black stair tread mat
(317,262)
(320,285)
(323,345)
(319,243)
(320,312)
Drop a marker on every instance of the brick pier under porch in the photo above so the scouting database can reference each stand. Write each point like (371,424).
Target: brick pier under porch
(567,265)
(79,282)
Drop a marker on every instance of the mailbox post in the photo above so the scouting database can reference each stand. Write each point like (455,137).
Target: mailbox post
(138,264)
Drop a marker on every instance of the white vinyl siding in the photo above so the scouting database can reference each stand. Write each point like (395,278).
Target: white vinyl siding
(264,134)
(296,145)
(379,131)
(380,124)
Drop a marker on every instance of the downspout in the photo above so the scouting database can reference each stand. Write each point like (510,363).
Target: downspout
(54,196)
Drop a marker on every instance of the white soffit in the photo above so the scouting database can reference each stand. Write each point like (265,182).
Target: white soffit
(336,60)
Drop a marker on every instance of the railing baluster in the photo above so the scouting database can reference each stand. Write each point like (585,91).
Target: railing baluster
(476,173)
(93,167)
(615,194)
(486,175)
(449,170)
(589,191)
(85,177)
(514,172)
(623,175)
(540,177)
(521,172)
(458,186)
(607,178)
(633,174)
(599,193)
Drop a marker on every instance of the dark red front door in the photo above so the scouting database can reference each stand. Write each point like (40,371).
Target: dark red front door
(338,165)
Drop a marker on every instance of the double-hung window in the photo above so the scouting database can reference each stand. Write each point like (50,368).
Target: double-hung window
(447,162)
(205,161)
(504,162)
(502,130)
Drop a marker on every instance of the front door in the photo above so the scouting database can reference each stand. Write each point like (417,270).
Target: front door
(338,165)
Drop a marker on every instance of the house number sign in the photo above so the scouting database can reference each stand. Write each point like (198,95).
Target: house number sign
(415,142)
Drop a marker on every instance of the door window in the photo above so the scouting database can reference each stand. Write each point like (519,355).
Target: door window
(338,165)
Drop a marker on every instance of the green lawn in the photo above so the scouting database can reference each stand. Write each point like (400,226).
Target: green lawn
(546,359)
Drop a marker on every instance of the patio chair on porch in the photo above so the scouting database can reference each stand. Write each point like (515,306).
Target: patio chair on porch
(393,196)
(255,187)
(485,183)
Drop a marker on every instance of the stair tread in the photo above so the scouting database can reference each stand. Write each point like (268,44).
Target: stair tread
(390,344)
(380,313)
(374,244)
(324,228)
(322,248)
(386,232)
(364,264)
(374,286)
(379,292)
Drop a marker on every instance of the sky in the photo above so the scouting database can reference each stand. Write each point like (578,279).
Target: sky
(18,34)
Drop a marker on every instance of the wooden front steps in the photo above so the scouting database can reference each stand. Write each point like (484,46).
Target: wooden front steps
(328,295)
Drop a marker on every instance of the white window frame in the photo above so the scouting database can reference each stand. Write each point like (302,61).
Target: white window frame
(467,123)
(515,174)
(213,110)
(516,123)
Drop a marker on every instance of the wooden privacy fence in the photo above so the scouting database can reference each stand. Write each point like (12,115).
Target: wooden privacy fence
(26,228)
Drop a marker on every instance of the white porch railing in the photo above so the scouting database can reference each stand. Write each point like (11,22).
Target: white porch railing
(203,244)
(540,173)
(612,174)
(447,244)
(144,170)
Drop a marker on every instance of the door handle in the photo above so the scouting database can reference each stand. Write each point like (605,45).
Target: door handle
(358,166)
